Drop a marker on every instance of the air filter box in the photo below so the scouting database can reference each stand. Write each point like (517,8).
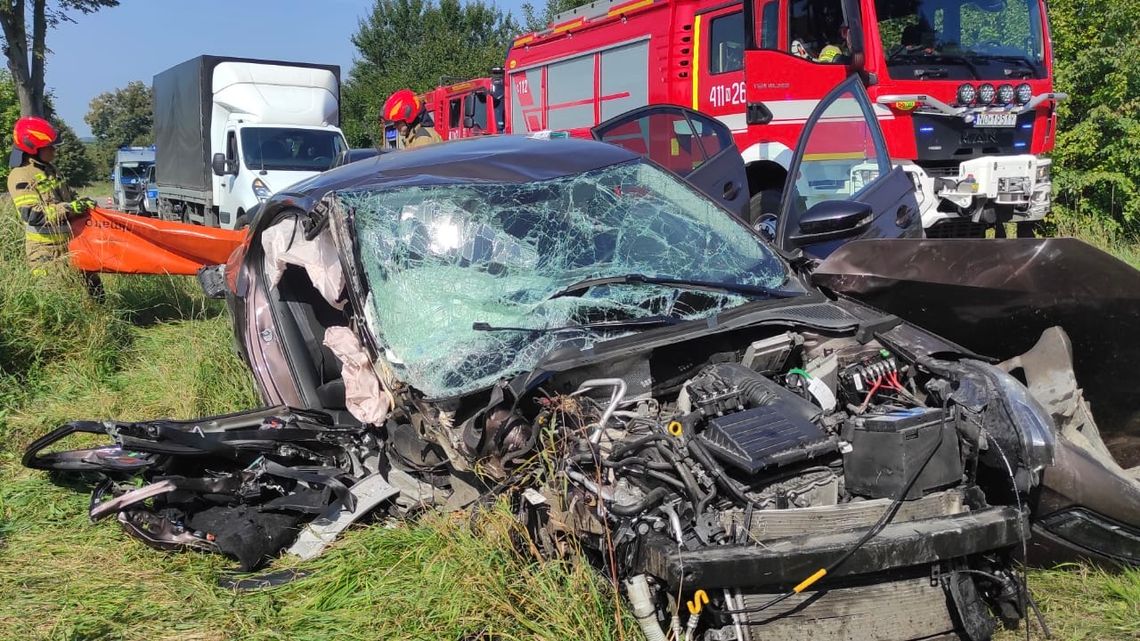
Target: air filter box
(887,449)
(765,436)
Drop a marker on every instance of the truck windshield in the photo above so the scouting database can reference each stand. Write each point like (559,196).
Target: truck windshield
(131,172)
(286,149)
(978,39)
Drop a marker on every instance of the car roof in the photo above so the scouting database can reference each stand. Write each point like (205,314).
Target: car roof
(498,159)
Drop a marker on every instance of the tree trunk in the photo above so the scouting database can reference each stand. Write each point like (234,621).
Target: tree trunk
(16,51)
(39,55)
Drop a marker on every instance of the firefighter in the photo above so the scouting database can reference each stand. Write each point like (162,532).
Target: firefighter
(43,200)
(837,53)
(405,112)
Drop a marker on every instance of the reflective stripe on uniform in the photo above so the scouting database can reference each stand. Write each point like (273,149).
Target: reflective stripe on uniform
(26,200)
(47,239)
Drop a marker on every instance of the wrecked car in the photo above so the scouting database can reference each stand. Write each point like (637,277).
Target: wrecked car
(569,326)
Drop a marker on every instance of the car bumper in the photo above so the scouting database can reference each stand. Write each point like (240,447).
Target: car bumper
(787,562)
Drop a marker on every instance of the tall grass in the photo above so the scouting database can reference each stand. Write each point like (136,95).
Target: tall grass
(157,348)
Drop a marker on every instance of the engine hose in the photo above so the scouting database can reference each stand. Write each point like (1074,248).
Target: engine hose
(626,462)
(694,490)
(641,602)
(755,387)
(621,450)
(648,502)
(704,503)
(718,473)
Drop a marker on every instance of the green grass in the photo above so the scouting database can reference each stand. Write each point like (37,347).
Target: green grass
(157,348)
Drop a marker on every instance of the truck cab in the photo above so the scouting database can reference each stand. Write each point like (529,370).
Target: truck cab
(261,159)
(131,179)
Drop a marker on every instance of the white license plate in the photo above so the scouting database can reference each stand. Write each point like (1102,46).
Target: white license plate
(995,120)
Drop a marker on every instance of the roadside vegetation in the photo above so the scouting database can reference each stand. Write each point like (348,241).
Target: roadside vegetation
(158,348)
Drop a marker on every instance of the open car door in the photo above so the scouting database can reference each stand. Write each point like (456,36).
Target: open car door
(696,147)
(841,184)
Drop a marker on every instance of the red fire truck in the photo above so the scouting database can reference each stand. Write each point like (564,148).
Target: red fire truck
(468,108)
(962,88)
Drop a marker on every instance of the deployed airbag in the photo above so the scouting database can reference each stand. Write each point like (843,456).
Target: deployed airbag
(285,244)
(365,397)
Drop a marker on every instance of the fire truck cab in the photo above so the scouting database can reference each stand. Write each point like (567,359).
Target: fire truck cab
(465,109)
(962,89)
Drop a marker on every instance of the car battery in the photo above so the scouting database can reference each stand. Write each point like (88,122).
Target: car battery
(886,450)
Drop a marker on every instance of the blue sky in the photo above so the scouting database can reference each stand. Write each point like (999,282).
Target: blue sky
(140,38)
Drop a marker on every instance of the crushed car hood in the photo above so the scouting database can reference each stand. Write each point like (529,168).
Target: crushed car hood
(996,297)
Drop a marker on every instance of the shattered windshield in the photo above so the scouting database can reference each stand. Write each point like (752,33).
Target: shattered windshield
(440,259)
(980,39)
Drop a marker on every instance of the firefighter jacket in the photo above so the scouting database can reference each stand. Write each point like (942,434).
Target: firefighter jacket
(43,201)
(421,136)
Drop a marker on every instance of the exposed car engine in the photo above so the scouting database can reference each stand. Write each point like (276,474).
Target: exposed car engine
(715,482)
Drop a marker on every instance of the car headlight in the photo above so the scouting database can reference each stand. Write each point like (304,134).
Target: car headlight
(1005,94)
(261,190)
(1044,172)
(967,94)
(987,94)
(1024,93)
(1033,423)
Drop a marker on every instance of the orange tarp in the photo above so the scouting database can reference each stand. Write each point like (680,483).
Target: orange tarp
(114,242)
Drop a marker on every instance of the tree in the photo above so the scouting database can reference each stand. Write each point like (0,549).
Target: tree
(413,44)
(534,20)
(72,158)
(120,118)
(26,64)
(1097,156)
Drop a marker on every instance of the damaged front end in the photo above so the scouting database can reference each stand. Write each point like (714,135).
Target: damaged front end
(645,382)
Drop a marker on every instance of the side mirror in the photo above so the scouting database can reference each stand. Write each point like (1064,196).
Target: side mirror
(831,219)
(468,122)
(469,106)
(220,166)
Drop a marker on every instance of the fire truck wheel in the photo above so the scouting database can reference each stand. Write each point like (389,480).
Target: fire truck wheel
(765,202)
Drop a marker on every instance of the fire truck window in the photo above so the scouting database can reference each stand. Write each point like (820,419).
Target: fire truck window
(481,111)
(570,93)
(815,30)
(726,43)
(841,155)
(625,83)
(454,113)
(770,26)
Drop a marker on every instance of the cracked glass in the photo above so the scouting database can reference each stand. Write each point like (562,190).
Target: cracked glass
(439,259)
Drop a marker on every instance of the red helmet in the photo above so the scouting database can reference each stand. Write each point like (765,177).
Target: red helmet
(32,133)
(403,105)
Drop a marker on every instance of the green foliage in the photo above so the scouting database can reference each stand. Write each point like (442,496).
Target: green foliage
(120,118)
(1097,156)
(535,20)
(413,44)
(72,159)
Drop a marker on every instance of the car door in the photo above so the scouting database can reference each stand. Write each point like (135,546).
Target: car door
(841,183)
(696,147)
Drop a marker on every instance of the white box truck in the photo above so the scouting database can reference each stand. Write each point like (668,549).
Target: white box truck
(230,132)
